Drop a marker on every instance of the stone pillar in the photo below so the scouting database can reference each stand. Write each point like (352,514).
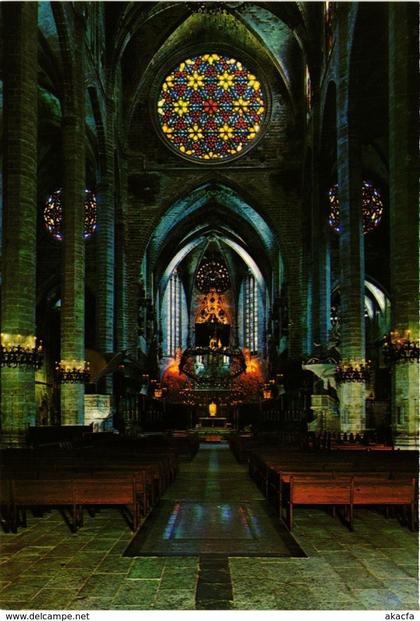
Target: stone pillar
(298,286)
(324,409)
(133,300)
(121,284)
(73,269)
(122,296)
(18,294)
(105,254)
(404,217)
(321,268)
(105,265)
(352,255)
(297,309)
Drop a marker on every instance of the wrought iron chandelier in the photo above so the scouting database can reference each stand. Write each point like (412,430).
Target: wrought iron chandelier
(203,398)
(212,366)
(20,351)
(352,372)
(72,372)
(208,8)
(400,348)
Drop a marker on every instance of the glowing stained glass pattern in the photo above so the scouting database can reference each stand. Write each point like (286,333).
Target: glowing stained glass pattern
(372,207)
(53,214)
(211,107)
(212,274)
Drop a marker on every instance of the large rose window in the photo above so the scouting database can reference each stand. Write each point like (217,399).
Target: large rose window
(211,107)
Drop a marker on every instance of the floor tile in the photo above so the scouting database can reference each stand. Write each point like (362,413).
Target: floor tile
(46,566)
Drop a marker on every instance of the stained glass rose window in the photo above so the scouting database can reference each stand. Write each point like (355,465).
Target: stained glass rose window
(211,107)
(372,207)
(53,214)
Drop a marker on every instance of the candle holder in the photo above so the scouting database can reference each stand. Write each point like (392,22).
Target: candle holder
(17,350)
(400,348)
(72,372)
(352,371)
(157,389)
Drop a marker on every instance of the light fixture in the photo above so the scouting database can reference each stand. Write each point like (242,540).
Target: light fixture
(270,388)
(17,350)
(212,367)
(72,372)
(267,391)
(352,371)
(158,390)
(203,398)
(206,8)
(400,348)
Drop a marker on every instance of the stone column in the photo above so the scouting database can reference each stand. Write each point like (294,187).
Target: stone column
(352,256)
(298,285)
(73,270)
(105,265)
(18,294)
(297,309)
(321,268)
(105,253)
(121,301)
(121,286)
(404,216)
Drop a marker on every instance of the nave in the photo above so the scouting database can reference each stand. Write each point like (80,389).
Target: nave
(45,566)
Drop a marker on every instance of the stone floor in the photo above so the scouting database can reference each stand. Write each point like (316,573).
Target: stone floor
(373,568)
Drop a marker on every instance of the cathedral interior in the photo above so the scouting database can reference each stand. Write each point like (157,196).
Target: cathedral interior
(209,280)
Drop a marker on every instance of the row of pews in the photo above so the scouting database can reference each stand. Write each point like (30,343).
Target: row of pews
(128,473)
(242,443)
(185,443)
(345,479)
(346,441)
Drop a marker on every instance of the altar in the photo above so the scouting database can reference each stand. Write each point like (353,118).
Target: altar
(213,421)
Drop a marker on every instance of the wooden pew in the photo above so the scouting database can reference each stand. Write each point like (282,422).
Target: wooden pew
(313,491)
(101,491)
(6,503)
(119,471)
(52,434)
(376,491)
(280,487)
(26,493)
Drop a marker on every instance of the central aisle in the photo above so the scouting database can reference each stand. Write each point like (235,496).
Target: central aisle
(213,508)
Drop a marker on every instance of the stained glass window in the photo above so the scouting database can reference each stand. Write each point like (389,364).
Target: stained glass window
(173,315)
(53,214)
(251,326)
(211,107)
(212,274)
(372,207)
(329,13)
(308,89)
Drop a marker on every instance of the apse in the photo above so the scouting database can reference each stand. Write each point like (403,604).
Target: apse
(213,315)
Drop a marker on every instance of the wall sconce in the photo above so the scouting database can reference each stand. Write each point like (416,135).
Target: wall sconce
(17,350)
(352,371)
(400,348)
(72,372)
